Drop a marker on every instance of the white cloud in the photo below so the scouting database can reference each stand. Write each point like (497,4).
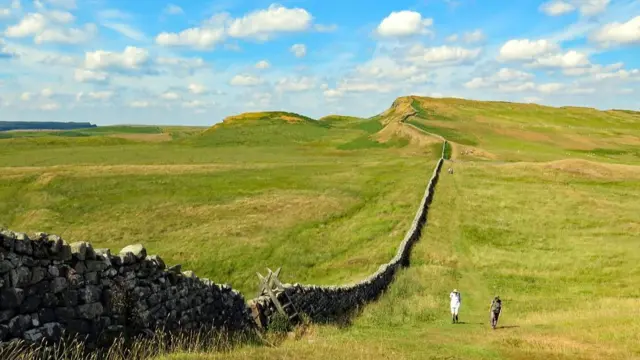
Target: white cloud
(197,89)
(295,84)
(245,80)
(31,24)
(84,75)
(26,96)
(49,106)
(5,13)
(586,7)
(570,59)
(170,95)
(39,26)
(525,49)
(100,95)
(172,9)
(627,33)
(58,60)
(67,35)
(67,4)
(441,55)
(126,30)
(557,8)
(46,93)
(503,75)
(404,23)
(299,50)
(139,104)
(325,28)
(550,88)
(131,58)
(263,24)
(474,36)
(592,70)
(186,63)
(63,17)
(196,38)
(262,65)
(511,87)
(619,75)
(452,38)
(332,93)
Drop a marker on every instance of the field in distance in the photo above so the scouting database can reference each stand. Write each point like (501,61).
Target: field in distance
(541,210)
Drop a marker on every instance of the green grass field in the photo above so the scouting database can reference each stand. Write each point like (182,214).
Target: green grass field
(541,210)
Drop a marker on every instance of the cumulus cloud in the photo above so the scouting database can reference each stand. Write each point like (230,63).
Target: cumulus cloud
(246,80)
(404,23)
(197,89)
(525,49)
(441,55)
(296,84)
(557,8)
(504,75)
(170,95)
(85,75)
(197,38)
(585,7)
(613,34)
(51,106)
(570,59)
(474,36)
(262,65)
(263,24)
(299,50)
(130,59)
(325,28)
(51,28)
(95,95)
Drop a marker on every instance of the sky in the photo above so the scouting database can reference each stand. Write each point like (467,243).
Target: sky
(195,62)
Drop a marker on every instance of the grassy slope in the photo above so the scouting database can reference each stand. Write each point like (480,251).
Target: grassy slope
(225,203)
(555,239)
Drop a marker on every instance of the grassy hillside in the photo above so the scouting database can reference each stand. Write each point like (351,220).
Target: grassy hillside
(542,210)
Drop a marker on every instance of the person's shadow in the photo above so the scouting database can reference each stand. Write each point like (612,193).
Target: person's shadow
(507,327)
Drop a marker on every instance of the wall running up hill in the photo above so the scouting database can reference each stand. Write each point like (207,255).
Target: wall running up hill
(327,303)
(48,286)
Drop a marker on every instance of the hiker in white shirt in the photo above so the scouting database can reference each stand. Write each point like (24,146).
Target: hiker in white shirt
(456,300)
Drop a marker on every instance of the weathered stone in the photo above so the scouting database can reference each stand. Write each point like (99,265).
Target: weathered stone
(23,244)
(137,250)
(8,239)
(80,267)
(30,304)
(175,269)
(157,260)
(58,284)
(6,266)
(91,278)
(90,311)
(69,298)
(6,315)
(33,335)
(89,294)
(47,315)
(20,277)
(4,332)
(52,330)
(19,325)
(37,274)
(49,300)
(126,259)
(79,250)
(53,271)
(11,298)
(35,320)
(64,314)
(97,265)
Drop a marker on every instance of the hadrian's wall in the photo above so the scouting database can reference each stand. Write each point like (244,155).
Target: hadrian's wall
(47,286)
(326,303)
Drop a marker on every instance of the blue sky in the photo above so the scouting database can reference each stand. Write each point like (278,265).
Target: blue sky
(196,62)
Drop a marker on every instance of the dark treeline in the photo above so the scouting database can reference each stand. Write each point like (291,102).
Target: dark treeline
(43,125)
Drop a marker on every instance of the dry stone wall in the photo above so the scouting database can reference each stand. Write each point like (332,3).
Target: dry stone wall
(327,303)
(48,286)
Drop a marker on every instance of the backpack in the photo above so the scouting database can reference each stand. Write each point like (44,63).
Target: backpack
(496,305)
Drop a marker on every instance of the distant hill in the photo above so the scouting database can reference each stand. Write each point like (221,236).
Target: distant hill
(43,125)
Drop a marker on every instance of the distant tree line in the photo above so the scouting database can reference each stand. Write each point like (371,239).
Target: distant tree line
(43,125)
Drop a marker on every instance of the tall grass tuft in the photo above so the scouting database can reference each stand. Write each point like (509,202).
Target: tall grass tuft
(136,348)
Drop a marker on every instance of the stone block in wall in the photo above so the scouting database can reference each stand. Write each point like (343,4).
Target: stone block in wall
(59,284)
(11,298)
(137,250)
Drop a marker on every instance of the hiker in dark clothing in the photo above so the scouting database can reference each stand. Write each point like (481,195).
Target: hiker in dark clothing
(496,309)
